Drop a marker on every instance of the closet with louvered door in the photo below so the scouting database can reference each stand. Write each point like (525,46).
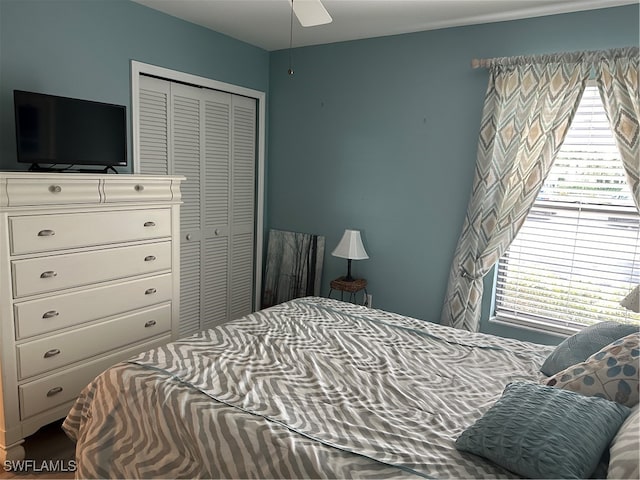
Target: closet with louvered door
(209,137)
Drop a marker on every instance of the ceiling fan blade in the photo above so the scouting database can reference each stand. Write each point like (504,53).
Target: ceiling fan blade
(311,12)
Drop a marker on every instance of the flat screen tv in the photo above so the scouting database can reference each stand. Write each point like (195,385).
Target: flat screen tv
(60,131)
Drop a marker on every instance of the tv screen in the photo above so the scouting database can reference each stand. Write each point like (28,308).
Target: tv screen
(69,131)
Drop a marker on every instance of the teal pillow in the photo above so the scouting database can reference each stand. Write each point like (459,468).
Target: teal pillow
(578,347)
(538,431)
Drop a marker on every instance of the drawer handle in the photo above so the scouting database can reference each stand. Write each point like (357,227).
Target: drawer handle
(189,236)
(52,353)
(55,188)
(50,314)
(149,224)
(54,391)
(149,258)
(150,323)
(48,274)
(46,233)
(150,291)
(138,188)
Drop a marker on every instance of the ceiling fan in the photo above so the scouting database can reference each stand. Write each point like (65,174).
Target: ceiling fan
(310,12)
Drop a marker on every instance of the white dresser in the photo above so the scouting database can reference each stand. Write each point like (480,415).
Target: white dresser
(89,275)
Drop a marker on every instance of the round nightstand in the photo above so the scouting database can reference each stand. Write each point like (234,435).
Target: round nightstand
(351,287)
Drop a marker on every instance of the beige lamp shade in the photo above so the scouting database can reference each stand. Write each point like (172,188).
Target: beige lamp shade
(350,246)
(632,301)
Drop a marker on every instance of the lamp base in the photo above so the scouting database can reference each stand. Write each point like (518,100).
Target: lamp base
(348,277)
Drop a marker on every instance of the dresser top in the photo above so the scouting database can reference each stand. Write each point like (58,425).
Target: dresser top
(87,176)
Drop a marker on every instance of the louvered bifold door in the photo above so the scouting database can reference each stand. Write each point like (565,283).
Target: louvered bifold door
(209,137)
(243,187)
(153,121)
(217,174)
(186,154)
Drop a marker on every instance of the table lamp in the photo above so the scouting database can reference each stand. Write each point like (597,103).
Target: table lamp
(632,301)
(351,248)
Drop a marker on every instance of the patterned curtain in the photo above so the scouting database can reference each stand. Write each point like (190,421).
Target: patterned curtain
(294,266)
(527,113)
(618,84)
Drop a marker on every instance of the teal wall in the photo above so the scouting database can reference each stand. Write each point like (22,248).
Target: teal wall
(380,135)
(83,49)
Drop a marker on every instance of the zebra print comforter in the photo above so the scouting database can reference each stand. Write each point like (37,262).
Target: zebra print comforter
(312,388)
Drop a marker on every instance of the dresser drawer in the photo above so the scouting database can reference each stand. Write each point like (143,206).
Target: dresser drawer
(42,191)
(40,233)
(35,317)
(41,395)
(47,274)
(65,348)
(138,190)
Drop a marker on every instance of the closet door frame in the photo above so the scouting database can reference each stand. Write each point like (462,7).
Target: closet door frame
(138,69)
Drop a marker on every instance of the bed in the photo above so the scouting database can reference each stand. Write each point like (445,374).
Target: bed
(311,388)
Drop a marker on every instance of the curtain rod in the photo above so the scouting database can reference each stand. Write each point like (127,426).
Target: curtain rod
(572,57)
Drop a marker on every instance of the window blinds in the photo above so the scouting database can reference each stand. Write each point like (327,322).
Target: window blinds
(577,254)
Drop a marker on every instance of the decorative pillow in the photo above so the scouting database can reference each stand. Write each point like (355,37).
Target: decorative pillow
(584,343)
(625,448)
(611,373)
(544,432)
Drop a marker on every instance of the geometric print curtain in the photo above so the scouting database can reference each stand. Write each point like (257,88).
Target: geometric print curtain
(617,78)
(528,109)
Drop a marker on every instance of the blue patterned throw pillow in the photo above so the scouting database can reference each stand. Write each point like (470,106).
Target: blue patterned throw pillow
(578,347)
(538,431)
(611,373)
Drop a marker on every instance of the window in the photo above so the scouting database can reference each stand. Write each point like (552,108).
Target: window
(577,254)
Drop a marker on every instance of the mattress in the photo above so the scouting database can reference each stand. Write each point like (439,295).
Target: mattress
(311,388)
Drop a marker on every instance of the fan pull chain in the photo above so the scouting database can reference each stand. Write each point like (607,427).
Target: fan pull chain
(290,71)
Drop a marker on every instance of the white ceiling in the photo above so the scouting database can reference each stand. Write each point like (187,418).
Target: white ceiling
(266,23)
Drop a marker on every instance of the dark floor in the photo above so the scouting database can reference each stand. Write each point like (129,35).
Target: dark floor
(51,453)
